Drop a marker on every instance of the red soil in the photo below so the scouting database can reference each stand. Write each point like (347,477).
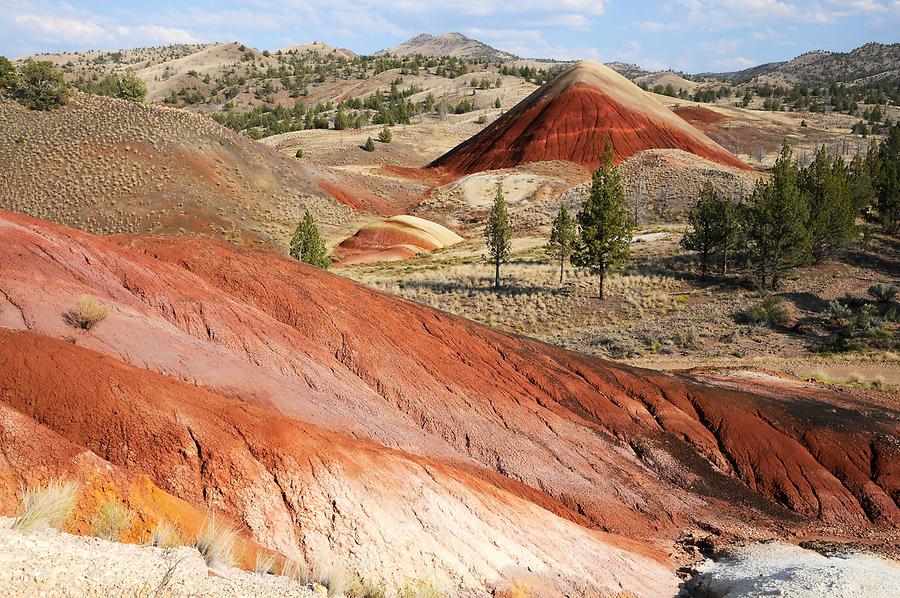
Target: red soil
(631,451)
(359,199)
(571,117)
(699,115)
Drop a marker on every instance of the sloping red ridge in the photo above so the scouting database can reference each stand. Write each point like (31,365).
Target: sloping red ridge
(571,117)
(632,451)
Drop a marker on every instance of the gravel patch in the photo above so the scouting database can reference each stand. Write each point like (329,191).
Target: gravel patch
(778,569)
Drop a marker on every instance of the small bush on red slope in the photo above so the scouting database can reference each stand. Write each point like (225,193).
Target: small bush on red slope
(87,313)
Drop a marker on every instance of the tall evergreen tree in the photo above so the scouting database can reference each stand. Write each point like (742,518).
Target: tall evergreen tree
(307,245)
(887,182)
(777,214)
(340,118)
(604,235)
(831,206)
(705,234)
(562,238)
(498,234)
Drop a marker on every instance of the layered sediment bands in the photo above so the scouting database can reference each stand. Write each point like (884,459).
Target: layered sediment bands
(603,446)
(571,117)
(312,494)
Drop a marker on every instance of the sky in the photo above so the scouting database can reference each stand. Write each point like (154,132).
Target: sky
(688,35)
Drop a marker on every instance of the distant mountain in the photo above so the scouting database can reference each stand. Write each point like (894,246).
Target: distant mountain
(448,44)
(628,70)
(869,63)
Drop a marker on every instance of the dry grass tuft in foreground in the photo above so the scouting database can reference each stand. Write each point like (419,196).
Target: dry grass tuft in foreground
(87,313)
(111,521)
(165,535)
(216,540)
(47,506)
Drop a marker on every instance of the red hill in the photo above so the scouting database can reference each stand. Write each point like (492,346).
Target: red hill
(570,118)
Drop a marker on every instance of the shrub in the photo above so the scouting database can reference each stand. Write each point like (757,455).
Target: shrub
(883,293)
(837,314)
(770,311)
(165,535)
(45,506)
(385,136)
(481,120)
(299,153)
(369,145)
(215,540)
(111,521)
(132,88)
(7,73)
(87,313)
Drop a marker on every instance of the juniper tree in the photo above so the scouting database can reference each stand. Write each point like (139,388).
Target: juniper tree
(604,235)
(562,238)
(497,234)
(307,245)
(41,86)
(7,73)
(369,145)
(385,136)
(777,237)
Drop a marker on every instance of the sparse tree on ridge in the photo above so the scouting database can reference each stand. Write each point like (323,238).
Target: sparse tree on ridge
(562,239)
(132,88)
(41,86)
(307,245)
(604,230)
(498,234)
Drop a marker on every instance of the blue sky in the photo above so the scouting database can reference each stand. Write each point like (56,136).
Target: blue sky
(689,35)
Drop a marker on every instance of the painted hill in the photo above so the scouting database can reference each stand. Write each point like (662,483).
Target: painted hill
(448,44)
(335,422)
(395,238)
(570,118)
(111,166)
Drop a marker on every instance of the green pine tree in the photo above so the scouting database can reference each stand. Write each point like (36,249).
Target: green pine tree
(831,206)
(705,234)
(887,182)
(497,234)
(385,136)
(369,145)
(604,235)
(562,239)
(340,119)
(497,103)
(131,87)
(307,245)
(777,215)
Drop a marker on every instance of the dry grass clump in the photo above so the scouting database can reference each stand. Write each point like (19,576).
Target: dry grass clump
(46,506)
(165,535)
(216,541)
(419,589)
(111,521)
(265,563)
(87,313)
